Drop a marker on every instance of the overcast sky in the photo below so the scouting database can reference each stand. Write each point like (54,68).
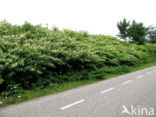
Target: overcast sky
(93,16)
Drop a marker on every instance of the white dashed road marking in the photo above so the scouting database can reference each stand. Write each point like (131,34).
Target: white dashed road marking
(105,91)
(148,73)
(126,82)
(62,108)
(140,76)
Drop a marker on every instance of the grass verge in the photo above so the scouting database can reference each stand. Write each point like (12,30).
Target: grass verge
(31,94)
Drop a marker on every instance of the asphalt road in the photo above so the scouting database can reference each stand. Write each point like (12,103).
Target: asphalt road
(130,95)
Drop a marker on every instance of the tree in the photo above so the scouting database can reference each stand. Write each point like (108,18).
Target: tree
(151,34)
(135,32)
(123,27)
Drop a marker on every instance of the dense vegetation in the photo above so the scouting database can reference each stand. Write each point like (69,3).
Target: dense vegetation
(133,32)
(151,34)
(35,57)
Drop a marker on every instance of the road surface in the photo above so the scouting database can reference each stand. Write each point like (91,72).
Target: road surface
(130,95)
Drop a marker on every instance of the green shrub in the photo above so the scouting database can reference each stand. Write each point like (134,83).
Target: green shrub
(12,90)
(35,57)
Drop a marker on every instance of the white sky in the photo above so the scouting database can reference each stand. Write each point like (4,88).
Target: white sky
(93,16)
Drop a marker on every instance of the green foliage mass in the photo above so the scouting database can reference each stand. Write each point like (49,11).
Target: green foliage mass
(123,27)
(33,56)
(134,32)
(151,31)
(137,33)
